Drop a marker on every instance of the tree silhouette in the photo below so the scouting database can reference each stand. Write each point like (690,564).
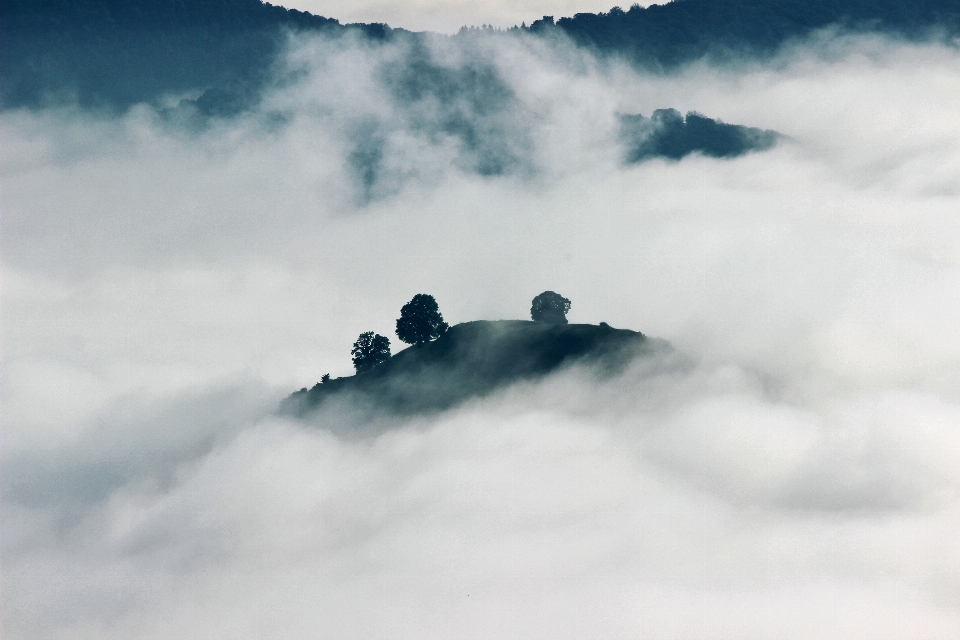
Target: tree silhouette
(420,320)
(369,350)
(550,307)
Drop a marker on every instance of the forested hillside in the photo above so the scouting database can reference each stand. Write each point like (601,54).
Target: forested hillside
(666,35)
(114,53)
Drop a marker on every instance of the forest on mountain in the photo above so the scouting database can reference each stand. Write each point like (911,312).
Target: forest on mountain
(111,54)
(667,35)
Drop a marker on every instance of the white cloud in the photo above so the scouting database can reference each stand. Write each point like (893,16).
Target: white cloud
(163,288)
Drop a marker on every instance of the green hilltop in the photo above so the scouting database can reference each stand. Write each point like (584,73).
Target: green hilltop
(474,359)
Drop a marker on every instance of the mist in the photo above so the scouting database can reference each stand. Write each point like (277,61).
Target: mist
(169,278)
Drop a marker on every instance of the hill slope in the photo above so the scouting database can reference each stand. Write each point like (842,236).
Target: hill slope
(474,359)
(669,34)
(115,53)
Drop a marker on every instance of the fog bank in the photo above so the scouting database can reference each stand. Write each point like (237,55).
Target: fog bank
(166,283)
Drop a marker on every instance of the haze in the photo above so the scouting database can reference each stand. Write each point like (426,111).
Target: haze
(166,283)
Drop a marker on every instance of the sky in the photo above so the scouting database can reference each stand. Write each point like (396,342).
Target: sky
(447,16)
(791,470)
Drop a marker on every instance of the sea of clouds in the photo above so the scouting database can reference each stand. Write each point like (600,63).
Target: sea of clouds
(793,473)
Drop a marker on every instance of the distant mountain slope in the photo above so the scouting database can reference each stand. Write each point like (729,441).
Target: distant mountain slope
(667,35)
(474,359)
(115,53)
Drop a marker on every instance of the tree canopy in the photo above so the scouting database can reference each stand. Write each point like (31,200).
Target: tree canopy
(668,134)
(670,34)
(550,307)
(369,350)
(116,53)
(420,320)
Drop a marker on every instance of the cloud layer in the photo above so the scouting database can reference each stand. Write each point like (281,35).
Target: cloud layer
(793,475)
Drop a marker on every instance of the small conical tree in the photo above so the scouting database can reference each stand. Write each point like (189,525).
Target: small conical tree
(550,307)
(369,350)
(420,320)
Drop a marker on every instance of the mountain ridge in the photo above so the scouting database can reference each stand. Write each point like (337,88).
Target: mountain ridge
(111,54)
(671,34)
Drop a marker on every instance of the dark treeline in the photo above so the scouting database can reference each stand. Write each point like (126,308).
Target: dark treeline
(115,53)
(670,34)
(667,134)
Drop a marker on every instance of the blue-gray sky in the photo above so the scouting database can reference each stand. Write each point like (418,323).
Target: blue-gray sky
(447,16)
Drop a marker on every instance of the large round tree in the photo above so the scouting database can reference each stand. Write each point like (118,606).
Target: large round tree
(550,307)
(369,350)
(420,320)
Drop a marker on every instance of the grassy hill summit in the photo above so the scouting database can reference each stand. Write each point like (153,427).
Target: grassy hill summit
(474,359)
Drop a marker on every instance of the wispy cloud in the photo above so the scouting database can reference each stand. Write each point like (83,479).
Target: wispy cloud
(164,287)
